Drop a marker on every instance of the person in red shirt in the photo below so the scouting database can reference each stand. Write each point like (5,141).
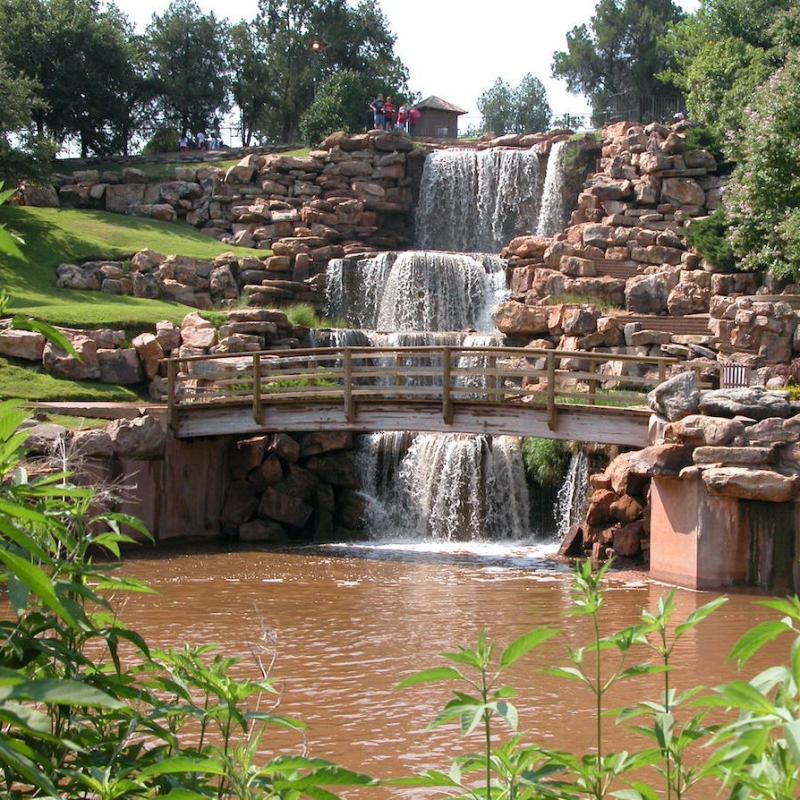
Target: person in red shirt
(413,118)
(402,117)
(388,111)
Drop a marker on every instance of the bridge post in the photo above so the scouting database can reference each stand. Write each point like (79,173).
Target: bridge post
(491,380)
(592,383)
(172,405)
(447,399)
(258,404)
(347,363)
(551,391)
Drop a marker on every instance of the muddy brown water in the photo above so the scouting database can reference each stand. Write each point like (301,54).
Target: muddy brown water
(349,623)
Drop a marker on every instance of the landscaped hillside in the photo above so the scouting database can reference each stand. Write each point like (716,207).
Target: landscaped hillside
(54,237)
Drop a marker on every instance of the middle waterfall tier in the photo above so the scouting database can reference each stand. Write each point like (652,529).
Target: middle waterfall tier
(416,291)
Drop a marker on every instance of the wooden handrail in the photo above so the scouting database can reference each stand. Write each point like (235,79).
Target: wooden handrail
(492,375)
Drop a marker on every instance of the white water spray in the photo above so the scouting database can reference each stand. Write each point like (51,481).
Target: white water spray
(553,213)
(572,497)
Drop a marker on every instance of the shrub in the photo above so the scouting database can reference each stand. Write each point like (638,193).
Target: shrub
(304,314)
(545,460)
(76,715)
(340,104)
(708,237)
(763,195)
(164,140)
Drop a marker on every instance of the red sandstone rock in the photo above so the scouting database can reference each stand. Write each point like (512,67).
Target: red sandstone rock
(626,509)
(600,503)
(751,484)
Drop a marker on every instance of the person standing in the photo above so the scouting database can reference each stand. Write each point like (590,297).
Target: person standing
(402,117)
(201,140)
(388,112)
(377,106)
(413,118)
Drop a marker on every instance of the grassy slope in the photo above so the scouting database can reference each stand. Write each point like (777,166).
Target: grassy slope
(29,383)
(54,237)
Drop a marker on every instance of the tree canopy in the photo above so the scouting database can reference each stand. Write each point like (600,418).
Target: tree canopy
(615,59)
(523,109)
(722,53)
(96,81)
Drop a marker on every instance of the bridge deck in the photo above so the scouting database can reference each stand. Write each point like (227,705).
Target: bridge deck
(495,390)
(623,426)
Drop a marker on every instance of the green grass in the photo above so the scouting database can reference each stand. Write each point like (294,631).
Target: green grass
(73,423)
(306,315)
(35,384)
(54,237)
(582,300)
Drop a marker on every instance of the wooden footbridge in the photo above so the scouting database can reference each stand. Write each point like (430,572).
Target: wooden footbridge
(581,396)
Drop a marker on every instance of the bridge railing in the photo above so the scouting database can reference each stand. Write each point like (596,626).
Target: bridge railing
(445,375)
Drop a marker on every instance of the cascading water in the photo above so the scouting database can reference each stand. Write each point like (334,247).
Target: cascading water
(553,213)
(572,497)
(477,200)
(339,337)
(444,487)
(416,291)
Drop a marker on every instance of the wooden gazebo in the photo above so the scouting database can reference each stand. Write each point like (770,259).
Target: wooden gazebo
(439,118)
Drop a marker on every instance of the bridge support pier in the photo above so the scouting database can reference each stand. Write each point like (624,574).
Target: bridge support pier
(704,541)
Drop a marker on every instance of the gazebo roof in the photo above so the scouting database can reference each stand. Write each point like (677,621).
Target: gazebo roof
(437,104)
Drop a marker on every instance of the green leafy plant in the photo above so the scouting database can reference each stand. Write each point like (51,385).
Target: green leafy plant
(507,770)
(75,713)
(708,237)
(545,460)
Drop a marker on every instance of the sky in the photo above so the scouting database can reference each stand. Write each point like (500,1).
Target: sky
(456,48)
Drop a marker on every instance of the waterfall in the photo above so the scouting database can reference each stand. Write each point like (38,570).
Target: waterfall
(338,337)
(444,487)
(572,497)
(416,291)
(552,217)
(477,200)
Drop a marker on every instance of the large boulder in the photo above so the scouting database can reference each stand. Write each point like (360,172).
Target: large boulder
(139,438)
(629,472)
(150,353)
(647,294)
(675,398)
(83,368)
(518,319)
(751,484)
(682,192)
(698,430)
(119,366)
(42,195)
(26,345)
(284,508)
(121,197)
(754,402)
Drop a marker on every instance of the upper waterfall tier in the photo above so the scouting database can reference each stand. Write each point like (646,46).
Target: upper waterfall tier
(553,213)
(477,200)
(416,291)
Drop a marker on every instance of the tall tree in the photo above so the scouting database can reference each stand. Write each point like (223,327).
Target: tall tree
(349,38)
(78,53)
(22,154)
(496,105)
(188,51)
(614,60)
(531,109)
(251,88)
(523,109)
